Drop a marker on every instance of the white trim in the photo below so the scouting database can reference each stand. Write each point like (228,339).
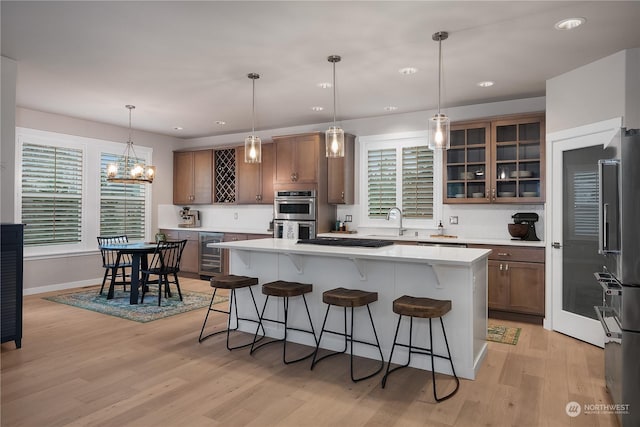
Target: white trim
(61,286)
(38,257)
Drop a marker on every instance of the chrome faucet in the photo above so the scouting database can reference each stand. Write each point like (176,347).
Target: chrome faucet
(400,229)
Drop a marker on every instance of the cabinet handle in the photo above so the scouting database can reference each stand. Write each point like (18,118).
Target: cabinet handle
(506,267)
(257,198)
(493,193)
(503,254)
(500,267)
(342,195)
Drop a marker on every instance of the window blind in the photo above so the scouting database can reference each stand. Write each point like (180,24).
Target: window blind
(51,194)
(417,182)
(122,206)
(585,201)
(381,173)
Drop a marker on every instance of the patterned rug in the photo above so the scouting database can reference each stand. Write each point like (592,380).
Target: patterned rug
(119,306)
(503,334)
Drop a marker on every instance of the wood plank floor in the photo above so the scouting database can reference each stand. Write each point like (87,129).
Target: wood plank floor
(80,368)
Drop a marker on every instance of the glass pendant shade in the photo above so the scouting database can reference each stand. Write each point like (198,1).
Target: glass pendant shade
(334,138)
(438,138)
(133,172)
(252,149)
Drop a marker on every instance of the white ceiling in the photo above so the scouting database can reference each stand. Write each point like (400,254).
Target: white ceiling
(186,63)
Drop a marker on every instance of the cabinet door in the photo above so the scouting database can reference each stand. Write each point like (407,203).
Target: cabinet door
(306,158)
(340,175)
(189,260)
(526,287)
(498,298)
(247,178)
(267,166)
(285,152)
(182,178)
(202,176)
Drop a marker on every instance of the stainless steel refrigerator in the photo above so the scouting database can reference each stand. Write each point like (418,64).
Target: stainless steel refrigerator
(619,243)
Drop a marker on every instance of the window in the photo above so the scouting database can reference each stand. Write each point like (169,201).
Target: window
(122,206)
(400,172)
(63,197)
(51,194)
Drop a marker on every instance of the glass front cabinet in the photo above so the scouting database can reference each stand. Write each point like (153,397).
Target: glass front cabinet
(498,161)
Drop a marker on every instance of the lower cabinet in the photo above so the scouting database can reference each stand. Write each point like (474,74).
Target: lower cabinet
(190,256)
(516,282)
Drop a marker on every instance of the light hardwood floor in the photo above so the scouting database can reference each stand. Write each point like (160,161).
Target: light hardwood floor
(81,368)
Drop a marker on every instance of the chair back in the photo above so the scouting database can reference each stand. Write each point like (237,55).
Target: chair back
(166,257)
(109,257)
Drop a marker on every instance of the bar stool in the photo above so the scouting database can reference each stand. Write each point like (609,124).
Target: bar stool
(231,283)
(342,297)
(286,290)
(425,308)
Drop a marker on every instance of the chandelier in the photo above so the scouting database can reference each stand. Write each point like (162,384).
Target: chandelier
(334,136)
(133,171)
(439,123)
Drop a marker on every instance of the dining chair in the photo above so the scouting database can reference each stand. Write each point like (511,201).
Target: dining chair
(113,262)
(165,263)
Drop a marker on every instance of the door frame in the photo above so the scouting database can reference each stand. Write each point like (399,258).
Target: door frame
(557,142)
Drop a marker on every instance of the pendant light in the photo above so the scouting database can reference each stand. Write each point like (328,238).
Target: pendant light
(439,123)
(134,171)
(334,137)
(252,143)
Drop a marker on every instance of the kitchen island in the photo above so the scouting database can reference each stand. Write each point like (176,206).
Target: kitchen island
(456,274)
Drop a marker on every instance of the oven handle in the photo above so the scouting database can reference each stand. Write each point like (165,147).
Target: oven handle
(290,200)
(607,331)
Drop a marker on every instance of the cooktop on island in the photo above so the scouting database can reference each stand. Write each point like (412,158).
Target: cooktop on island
(334,241)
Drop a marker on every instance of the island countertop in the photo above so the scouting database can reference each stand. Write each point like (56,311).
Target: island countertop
(402,253)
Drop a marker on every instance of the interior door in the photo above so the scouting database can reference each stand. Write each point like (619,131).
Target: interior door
(574,229)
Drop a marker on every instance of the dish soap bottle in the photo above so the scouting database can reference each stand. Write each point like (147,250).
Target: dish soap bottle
(440,229)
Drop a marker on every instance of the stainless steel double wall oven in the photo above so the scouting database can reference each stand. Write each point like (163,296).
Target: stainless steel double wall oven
(296,209)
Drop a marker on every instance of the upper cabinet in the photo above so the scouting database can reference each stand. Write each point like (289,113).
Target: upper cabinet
(254,181)
(192,177)
(499,161)
(340,175)
(225,176)
(298,158)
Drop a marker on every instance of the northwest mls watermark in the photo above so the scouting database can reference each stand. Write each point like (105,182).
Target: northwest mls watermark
(573,409)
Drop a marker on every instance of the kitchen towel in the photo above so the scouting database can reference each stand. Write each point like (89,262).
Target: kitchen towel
(290,230)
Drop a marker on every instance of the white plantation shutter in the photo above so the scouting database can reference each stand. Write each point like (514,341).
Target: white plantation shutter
(51,194)
(585,200)
(122,206)
(381,173)
(417,182)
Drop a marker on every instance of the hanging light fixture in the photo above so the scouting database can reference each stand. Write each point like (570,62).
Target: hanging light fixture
(252,143)
(439,123)
(334,137)
(134,171)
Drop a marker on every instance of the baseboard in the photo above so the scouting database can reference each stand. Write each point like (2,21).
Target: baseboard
(517,317)
(61,286)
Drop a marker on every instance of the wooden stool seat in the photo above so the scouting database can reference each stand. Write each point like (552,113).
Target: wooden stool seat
(233,282)
(281,288)
(343,297)
(425,308)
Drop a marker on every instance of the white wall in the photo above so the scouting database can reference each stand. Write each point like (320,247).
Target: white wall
(8,72)
(601,90)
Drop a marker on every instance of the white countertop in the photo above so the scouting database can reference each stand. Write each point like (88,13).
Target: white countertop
(441,240)
(401,253)
(220,230)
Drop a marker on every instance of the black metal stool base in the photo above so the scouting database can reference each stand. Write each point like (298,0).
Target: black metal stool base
(255,347)
(348,340)
(423,351)
(232,304)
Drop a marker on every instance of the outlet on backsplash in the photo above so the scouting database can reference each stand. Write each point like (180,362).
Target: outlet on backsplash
(235,215)
(453,220)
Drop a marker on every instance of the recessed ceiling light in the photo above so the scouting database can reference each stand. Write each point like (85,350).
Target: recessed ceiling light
(390,108)
(317,108)
(177,128)
(325,85)
(486,83)
(221,122)
(569,23)
(408,70)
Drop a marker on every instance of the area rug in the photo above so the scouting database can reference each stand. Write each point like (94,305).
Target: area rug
(503,334)
(90,299)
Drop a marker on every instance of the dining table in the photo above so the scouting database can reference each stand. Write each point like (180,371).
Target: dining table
(138,252)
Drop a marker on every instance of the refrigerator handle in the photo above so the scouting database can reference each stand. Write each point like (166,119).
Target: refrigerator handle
(601,228)
(605,209)
(605,226)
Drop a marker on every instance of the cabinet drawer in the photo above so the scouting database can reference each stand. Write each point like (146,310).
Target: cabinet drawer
(513,253)
(188,235)
(233,237)
(171,234)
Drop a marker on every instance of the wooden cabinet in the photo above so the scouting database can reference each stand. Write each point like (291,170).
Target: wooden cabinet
(298,158)
(254,181)
(11,282)
(340,175)
(190,255)
(497,161)
(516,282)
(224,176)
(192,177)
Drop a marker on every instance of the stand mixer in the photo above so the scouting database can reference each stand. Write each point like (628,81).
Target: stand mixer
(523,227)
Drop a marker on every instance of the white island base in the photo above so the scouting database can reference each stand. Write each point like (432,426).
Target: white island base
(456,274)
